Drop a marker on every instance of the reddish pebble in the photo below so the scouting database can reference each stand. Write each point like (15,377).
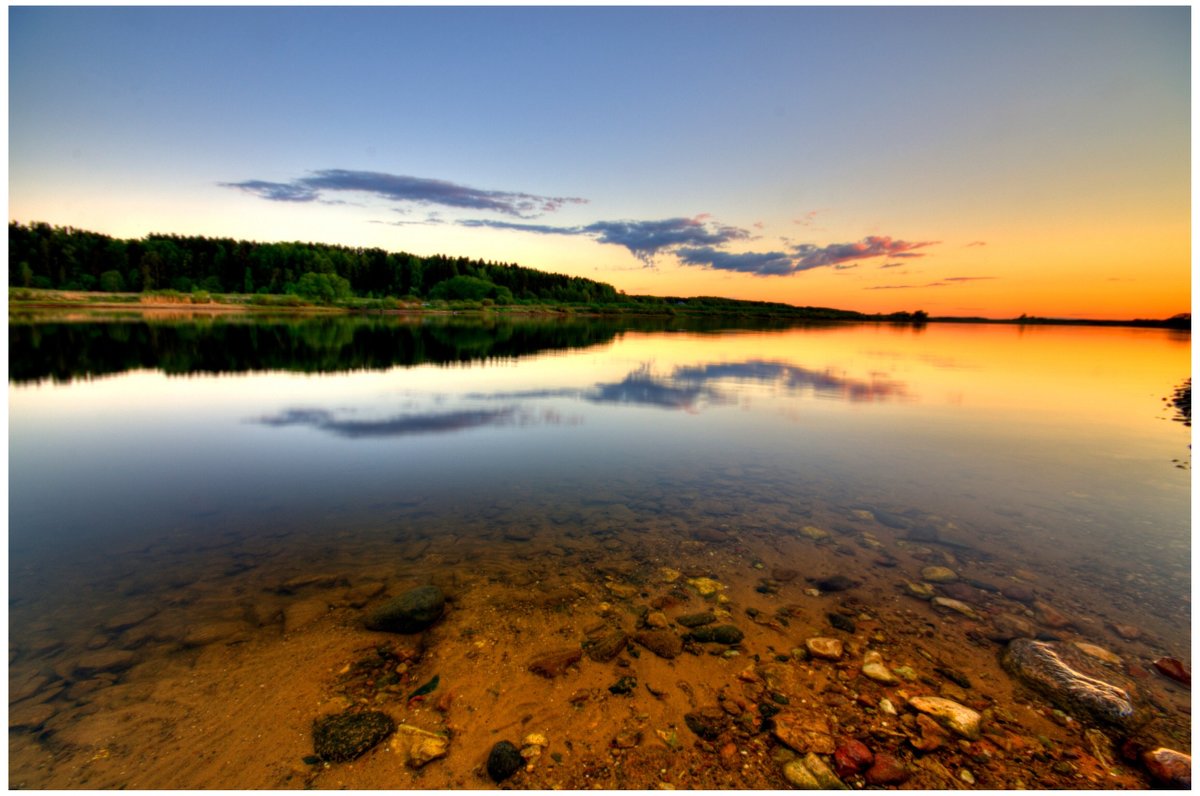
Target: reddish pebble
(1175,670)
(1133,670)
(887,770)
(1170,768)
(851,757)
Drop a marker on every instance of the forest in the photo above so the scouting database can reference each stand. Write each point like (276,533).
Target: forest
(64,258)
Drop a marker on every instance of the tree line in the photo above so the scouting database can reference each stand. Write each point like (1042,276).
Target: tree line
(64,258)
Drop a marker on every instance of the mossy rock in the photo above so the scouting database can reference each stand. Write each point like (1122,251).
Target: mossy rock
(347,736)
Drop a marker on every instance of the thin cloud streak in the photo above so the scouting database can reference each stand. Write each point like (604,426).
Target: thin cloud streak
(403,188)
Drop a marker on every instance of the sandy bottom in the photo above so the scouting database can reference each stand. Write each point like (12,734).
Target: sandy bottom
(191,665)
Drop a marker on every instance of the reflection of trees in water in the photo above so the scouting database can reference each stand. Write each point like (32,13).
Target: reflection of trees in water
(1181,399)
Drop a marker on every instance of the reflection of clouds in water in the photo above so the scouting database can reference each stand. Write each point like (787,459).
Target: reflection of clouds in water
(686,388)
(409,424)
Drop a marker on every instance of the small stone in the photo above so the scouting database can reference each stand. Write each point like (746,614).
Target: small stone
(553,664)
(656,620)
(1006,627)
(1169,768)
(958,718)
(104,661)
(886,706)
(834,583)
(874,669)
(813,592)
(696,620)
(823,773)
(784,575)
(663,643)
(887,770)
(607,647)
(841,622)
(346,736)
(851,757)
(1099,653)
(625,686)
(503,761)
(411,612)
(669,575)
(1019,593)
(932,735)
(708,723)
(966,776)
(922,591)
(938,575)
(957,606)
(905,672)
(720,634)
(627,739)
(814,533)
(418,747)
(1174,668)
(804,732)
(706,587)
(1127,632)
(798,775)
(1050,616)
(829,649)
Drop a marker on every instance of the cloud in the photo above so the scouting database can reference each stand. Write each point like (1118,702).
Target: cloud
(644,239)
(757,263)
(976,243)
(811,256)
(806,219)
(891,265)
(948,281)
(967,278)
(402,188)
(400,425)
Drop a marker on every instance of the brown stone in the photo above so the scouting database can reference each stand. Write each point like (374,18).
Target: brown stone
(552,664)
(105,661)
(662,643)
(1050,616)
(887,770)
(607,646)
(804,732)
(851,757)
(1019,592)
(1174,669)
(932,735)
(829,649)
(1169,768)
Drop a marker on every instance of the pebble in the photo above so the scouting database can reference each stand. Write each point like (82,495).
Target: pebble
(346,736)
(932,735)
(553,664)
(1127,632)
(874,669)
(1174,668)
(1050,616)
(960,719)
(834,583)
(706,587)
(887,770)
(696,620)
(410,612)
(1099,653)
(851,757)
(938,575)
(841,622)
(1006,627)
(1169,768)
(957,606)
(804,732)
(607,647)
(656,620)
(886,706)
(829,649)
(707,723)
(503,761)
(663,643)
(669,575)
(1059,672)
(721,634)
(922,591)
(625,686)
(814,533)
(1019,592)
(418,747)
(105,661)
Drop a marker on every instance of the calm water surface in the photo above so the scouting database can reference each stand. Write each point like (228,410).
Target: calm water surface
(136,449)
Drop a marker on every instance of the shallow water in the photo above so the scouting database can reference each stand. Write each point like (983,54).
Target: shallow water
(200,514)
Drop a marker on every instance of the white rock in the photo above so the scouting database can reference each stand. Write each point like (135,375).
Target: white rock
(955,717)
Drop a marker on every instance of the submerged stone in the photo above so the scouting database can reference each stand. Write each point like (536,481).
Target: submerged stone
(503,761)
(721,634)
(347,736)
(696,620)
(411,612)
(1062,675)
(955,717)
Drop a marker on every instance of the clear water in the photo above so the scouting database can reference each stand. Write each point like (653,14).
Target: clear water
(137,449)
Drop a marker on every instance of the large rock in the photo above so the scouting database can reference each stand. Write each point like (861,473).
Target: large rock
(1068,679)
(1169,768)
(411,612)
(346,736)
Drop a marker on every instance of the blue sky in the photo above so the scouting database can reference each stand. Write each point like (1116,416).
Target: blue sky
(997,148)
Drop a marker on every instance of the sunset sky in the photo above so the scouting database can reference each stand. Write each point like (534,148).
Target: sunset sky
(979,161)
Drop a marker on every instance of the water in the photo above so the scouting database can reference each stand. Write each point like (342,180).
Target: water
(177,474)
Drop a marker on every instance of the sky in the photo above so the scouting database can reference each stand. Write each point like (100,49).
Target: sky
(962,161)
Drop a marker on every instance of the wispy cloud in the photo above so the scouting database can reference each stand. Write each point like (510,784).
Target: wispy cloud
(758,263)
(948,281)
(402,188)
(976,243)
(644,239)
(397,426)
(810,256)
(891,265)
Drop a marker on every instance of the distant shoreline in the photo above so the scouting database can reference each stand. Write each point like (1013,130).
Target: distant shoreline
(164,303)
